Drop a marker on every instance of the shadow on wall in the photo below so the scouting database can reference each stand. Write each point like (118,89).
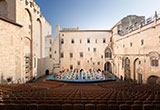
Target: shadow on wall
(153,80)
(42,67)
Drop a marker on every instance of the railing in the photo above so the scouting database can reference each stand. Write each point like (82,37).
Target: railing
(134,27)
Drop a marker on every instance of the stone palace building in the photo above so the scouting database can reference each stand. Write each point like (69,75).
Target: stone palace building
(130,50)
(23,31)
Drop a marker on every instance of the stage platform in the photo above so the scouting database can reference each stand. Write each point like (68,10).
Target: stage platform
(80,81)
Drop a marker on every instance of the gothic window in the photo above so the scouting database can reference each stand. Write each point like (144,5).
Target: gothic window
(108,53)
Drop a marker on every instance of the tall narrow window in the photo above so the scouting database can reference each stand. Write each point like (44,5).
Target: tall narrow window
(108,53)
(142,42)
(78,63)
(88,40)
(72,41)
(62,41)
(50,41)
(80,41)
(81,54)
(50,49)
(88,49)
(50,56)
(104,40)
(94,49)
(71,55)
(96,41)
(62,55)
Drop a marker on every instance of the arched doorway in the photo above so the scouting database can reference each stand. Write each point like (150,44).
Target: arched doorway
(47,72)
(127,71)
(152,79)
(108,67)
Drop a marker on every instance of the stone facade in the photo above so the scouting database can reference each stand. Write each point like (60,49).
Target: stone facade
(22,45)
(130,51)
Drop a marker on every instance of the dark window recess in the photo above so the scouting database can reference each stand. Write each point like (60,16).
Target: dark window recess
(62,41)
(88,40)
(62,55)
(142,42)
(78,63)
(50,56)
(71,67)
(81,54)
(104,40)
(72,41)
(71,55)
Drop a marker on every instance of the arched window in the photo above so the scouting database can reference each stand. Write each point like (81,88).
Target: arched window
(108,53)
(3,8)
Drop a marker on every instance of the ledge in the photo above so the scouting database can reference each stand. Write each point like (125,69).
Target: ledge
(10,21)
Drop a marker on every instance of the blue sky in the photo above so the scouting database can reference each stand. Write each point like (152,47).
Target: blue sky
(93,14)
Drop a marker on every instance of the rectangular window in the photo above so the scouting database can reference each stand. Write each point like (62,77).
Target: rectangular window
(72,41)
(131,44)
(94,49)
(50,56)
(88,49)
(62,55)
(35,62)
(142,42)
(96,41)
(98,63)
(78,63)
(104,40)
(50,41)
(80,41)
(81,54)
(50,49)
(88,40)
(71,55)
(62,41)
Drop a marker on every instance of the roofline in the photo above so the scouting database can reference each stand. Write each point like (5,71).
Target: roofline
(85,30)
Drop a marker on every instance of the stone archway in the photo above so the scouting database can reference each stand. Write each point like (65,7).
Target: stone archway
(47,72)
(135,66)
(153,79)
(127,71)
(108,67)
